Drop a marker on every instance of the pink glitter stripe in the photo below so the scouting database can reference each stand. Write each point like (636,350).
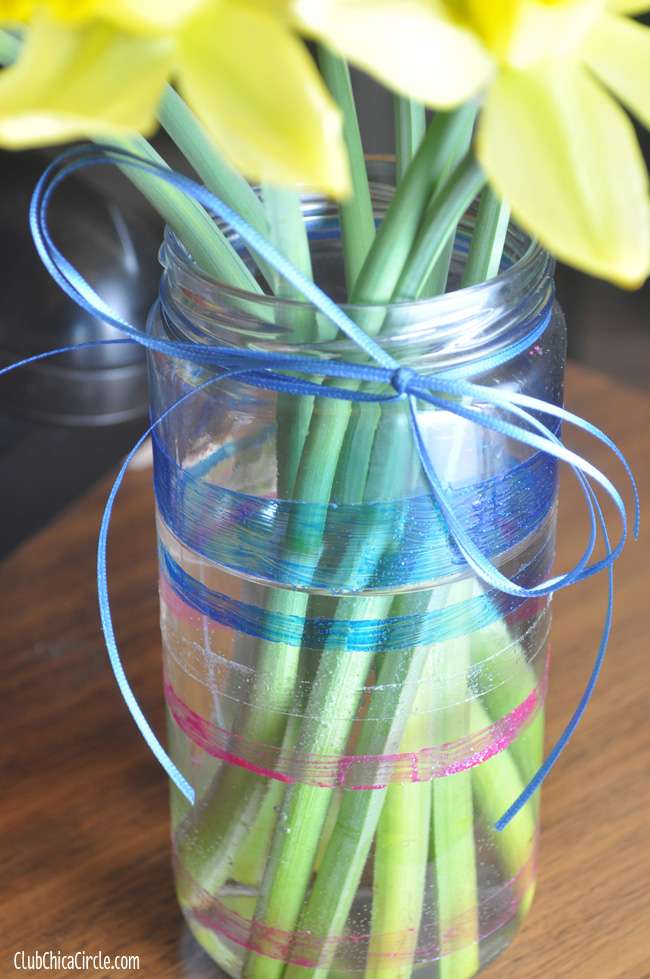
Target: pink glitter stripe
(351,951)
(358,771)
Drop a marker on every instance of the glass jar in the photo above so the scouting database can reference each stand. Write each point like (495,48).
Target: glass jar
(353,706)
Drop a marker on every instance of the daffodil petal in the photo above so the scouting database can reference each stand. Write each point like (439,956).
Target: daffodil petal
(68,84)
(411,45)
(522,33)
(494,22)
(14,11)
(564,154)
(149,17)
(554,30)
(631,7)
(618,50)
(256,89)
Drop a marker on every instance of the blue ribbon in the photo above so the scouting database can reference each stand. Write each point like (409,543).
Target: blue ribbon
(269,370)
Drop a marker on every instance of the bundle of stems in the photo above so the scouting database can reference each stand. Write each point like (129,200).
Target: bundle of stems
(323,456)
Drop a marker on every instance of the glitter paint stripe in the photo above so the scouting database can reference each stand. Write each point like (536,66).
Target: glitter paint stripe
(398,632)
(184,653)
(350,951)
(358,771)
(184,612)
(253,536)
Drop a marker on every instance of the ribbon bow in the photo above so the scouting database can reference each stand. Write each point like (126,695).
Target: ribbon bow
(447,388)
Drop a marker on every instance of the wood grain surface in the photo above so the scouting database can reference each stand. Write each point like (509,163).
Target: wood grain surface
(83,807)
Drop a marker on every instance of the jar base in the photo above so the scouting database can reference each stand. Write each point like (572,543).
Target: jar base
(230,955)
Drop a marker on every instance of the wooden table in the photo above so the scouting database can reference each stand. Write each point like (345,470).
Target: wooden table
(83,807)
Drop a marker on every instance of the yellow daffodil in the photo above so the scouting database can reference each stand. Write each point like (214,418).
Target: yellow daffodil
(92,67)
(550,75)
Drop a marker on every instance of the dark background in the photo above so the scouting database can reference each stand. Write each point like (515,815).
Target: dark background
(67,421)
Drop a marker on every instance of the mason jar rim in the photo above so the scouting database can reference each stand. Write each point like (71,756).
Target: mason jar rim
(534,260)
(456,326)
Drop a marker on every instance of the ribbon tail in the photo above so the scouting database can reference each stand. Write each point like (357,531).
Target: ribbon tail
(563,740)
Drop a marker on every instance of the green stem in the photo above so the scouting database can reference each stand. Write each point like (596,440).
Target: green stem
(354,459)
(324,442)
(437,279)
(440,221)
(328,905)
(453,817)
(356,213)
(214,169)
(410,127)
(374,435)
(250,860)
(488,239)
(293,414)
(496,783)
(9,47)
(204,241)
(213,831)
(276,663)
(398,230)
(401,851)
(511,680)
(386,260)
(288,233)
(329,715)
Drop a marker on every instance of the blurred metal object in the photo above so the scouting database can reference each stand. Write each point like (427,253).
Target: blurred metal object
(66,420)
(115,249)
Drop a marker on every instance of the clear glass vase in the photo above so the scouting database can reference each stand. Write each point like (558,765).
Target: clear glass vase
(353,706)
